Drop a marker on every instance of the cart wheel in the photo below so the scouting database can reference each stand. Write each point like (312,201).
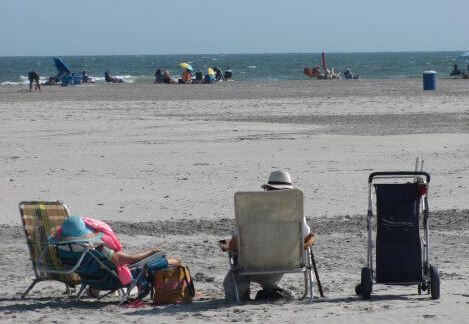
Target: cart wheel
(434,282)
(366,283)
(358,289)
(419,289)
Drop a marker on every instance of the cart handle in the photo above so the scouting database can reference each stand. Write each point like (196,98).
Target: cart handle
(398,173)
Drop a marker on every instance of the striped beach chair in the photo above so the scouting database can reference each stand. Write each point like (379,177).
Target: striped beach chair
(40,220)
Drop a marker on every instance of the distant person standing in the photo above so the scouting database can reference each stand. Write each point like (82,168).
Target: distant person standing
(456,71)
(33,76)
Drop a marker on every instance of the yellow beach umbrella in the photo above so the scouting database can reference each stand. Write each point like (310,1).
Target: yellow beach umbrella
(186,66)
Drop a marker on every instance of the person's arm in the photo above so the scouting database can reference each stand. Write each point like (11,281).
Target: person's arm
(309,240)
(308,235)
(121,258)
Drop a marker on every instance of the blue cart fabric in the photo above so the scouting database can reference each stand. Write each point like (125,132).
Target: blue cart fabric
(398,245)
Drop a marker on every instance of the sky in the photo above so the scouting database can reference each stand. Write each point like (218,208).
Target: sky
(107,27)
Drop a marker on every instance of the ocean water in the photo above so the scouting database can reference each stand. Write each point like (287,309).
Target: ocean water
(141,68)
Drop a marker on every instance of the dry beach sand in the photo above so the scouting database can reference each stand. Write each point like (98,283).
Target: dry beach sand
(161,163)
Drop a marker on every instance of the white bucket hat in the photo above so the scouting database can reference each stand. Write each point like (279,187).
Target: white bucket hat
(278,180)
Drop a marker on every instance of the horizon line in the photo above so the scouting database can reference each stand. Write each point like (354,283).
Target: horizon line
(245,53)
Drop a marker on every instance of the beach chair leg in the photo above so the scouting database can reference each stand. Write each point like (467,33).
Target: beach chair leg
(311,283)
(108,293)
(69,290)
(306,285)
(236,290)
(35,281)
(81,291)
(125,295)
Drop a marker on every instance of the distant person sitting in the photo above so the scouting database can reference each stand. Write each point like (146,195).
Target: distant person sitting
(335,74)
(186,77)
(456,71)
(316,72)
(158,76)
(218,74)
(167,78)
(86,77)
(209,78)
(228,74)
(109,78)
(52,81)
(348,74)
(33,76)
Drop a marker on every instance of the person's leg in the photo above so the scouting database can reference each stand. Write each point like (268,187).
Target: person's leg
(174,261)
(30,85)
(242,282)
(38,85)
(268,282)
(93,293)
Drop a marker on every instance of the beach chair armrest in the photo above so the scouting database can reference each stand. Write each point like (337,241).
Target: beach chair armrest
(263,272)
(64,270)
(233,260)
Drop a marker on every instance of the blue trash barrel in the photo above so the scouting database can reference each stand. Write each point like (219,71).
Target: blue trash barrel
(429,80)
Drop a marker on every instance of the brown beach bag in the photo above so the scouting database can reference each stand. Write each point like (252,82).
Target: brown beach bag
(173,286)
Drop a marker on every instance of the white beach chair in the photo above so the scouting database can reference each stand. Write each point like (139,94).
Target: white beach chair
(270,236)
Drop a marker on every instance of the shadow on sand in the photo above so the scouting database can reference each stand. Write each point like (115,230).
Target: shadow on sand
(32,304)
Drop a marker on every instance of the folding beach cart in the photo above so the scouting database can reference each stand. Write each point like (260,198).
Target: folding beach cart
(402,251)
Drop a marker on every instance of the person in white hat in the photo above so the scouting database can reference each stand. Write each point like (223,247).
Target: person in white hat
(278,180)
